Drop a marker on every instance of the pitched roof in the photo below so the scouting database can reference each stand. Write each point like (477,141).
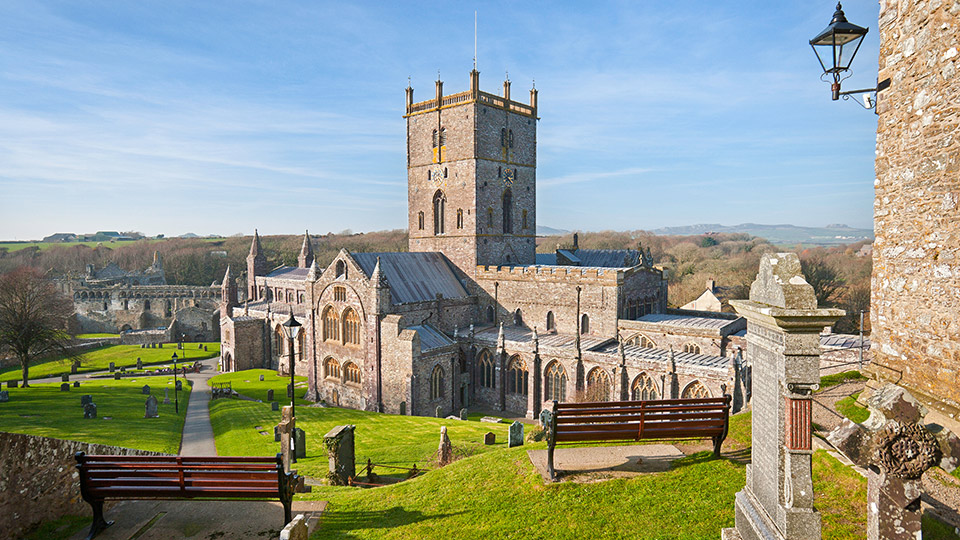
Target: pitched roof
(686,321)
(843,341)
(413,276)
(430,337)
(289,272)
(608,258)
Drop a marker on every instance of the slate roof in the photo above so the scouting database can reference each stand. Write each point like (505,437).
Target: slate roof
(546,259)
(289,272)
(686,321)
(413,276)
(843,341)
(110,271)
(608,258)
(682,358)
(430,337)
(282,308)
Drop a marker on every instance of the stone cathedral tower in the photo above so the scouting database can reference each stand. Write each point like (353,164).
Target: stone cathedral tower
(471,176)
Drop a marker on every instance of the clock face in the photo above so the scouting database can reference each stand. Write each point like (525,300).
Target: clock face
(508,176)
(437,175)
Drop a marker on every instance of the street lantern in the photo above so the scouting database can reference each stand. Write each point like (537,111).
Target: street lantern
(291,329)
(176,395)
(835,48)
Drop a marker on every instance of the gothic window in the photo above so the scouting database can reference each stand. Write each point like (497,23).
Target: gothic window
(300,298)
(695,390)
(507,212)
(647,342)
(551,323)
(339,294)
(341,270)
(351,373)
(331,324)
(691,348)
(643,388)
(490,217)
(510,138)
(598,385)
(524,214)
(443,142)
(503,137)
(490,314)
(584,324)
(278,340)
(439,201)
(517,376)
(517,318)
(420,221)
(460,218)
(301,343)
(435,138)
(436,383)
(166,311)
(331,369)
(488,372)
(499,172)
(555,382)
(351,327)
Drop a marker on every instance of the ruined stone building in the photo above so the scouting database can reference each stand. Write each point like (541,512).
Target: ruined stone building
(915,305)
(114,300)
(471,316)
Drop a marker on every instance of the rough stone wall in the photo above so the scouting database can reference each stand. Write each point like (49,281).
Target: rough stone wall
(357,295)
(242,344)
(39,480)
(119,308)
(916,273)
(399,348)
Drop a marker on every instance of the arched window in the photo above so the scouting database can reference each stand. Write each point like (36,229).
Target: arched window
(351,373)
(146,305)
(278,340)
(584,324)
(643,388)
(517,376)
(691,348)
(490,314)
(555,382)
(507,212)
(341,270)
(331,369)
(351,327)
(517,318)
(524,214)
(488,371)
(695,390)
(443,138)
(436,383)
(331,324)
(439,202)
(489,217)
(339,294)
(460,218)
(301,342)
(420,221)
(551,323)
(598,385)
(647,342)
(510,138)
(436,138)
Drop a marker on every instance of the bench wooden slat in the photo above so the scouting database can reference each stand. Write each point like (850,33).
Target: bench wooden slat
(647,417)
(650,402)
(628,410)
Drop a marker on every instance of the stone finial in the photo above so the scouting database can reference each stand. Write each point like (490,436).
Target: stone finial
(378,278)
(780,283)
(471,330)
(501,340)
(226,278)
(622,352)
(255,248)
(157,260)
(314,273)
(305,259)
(536,341)
(246,307)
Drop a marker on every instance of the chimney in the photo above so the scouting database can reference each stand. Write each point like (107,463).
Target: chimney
(576,241)
(711,285)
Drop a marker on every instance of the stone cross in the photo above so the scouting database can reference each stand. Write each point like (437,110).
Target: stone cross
(783,338)
(897,450)
(145,390)
(151,408)
(515,435)
(445,452)
(339,443)
(287,424)
(544,419)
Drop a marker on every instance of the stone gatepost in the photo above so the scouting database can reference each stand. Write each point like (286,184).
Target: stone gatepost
(339,443)
(783,338)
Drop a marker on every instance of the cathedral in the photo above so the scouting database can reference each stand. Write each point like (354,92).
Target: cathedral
(471,316)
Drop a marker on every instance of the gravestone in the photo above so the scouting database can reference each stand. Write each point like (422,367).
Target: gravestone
(439,413)
(296,529)
(299,443)
(73,369)
(159,345)
(489,438)
(86,398)
(515,435)
(274,406)
(270,395)
(286,427)
(166,396)
(143,345)
(139,363)
(339,443)
(4,396)
(76,384)
(445,452)
(116,376)
(261,378)
(290,391)
(205,349)
(12,384)
(403,408)
(276,433)
(545,416)
(112,367)
(89,410)
(65,377)
(65,387)
(783,338)
(201,346)
(151,407)
(145,390)
(179,385)
(463,414)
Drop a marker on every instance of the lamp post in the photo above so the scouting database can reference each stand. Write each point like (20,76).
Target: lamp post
(176,395)
(835,48)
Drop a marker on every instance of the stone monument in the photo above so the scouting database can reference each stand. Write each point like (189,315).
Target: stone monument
(286,427)
(86,398)
(299,443)
(4,396)
(445,452)
(166,396)
(339,443)
(89,410)
(783,338)
(145,390)
(515,435)
(151,407)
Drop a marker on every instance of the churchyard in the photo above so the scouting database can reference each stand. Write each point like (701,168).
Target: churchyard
(122,356)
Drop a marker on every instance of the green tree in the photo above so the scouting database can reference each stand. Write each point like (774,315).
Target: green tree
(33,318)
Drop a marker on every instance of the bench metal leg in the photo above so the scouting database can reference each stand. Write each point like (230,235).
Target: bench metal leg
(99,524)
(550,471)
(287,517)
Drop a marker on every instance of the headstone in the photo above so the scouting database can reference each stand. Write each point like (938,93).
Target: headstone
(145,390)
(545,417)
(76,384)
(274,406)
(166,396)
(65,387)
(12,384)
(261,377)
(299,443)
(445,452)
(86,398)
(276,433)
(270,395)
(339,443)
(490,419)
(159,345)
(139,363)
(205,349)
(151,408)
(201,346)
(89,410)
(116,376)
(489,438)
(403,408)
(4,396)
(463,414)
(296,529)
(439,412)
(65,377)
(113,367)
(73,369)
(783,333)
(515,435)
(179,385)
(143,345)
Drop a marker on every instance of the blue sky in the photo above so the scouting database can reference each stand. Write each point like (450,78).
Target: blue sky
(221,117)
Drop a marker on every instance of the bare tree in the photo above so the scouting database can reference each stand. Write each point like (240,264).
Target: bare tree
(825,279)
(33,318)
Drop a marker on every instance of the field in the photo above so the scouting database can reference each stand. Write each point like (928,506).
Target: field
(17,246)
(121,355)
(44,410)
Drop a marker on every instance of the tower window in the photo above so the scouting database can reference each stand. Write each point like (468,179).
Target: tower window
(490,217)
(503,137)
(524,214)
(435,138)
(439,202)
(443,137)
(444,172)
(507,212)
(420,221)
(510,138)
(460,218)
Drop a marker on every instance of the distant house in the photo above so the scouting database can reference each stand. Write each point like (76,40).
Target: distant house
(61,237)
(713,299)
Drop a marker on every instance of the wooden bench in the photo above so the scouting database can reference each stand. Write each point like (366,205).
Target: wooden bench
(181,477)
(670,419)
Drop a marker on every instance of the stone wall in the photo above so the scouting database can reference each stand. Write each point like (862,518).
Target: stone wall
(916,256)
(39,480)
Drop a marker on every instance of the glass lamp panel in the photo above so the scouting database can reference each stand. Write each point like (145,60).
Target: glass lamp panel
(846,52)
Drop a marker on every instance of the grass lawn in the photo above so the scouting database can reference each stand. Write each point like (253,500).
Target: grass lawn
(94,336)
(832,380)
(122,355)
(17,246)
(44,410)
(848,407)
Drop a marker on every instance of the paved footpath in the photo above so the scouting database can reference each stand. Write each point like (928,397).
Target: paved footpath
(197,432)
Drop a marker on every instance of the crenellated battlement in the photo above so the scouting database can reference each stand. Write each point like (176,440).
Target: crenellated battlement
(473,95)
(578,274)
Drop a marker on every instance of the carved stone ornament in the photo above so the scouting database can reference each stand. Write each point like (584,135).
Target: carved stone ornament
(905,450)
